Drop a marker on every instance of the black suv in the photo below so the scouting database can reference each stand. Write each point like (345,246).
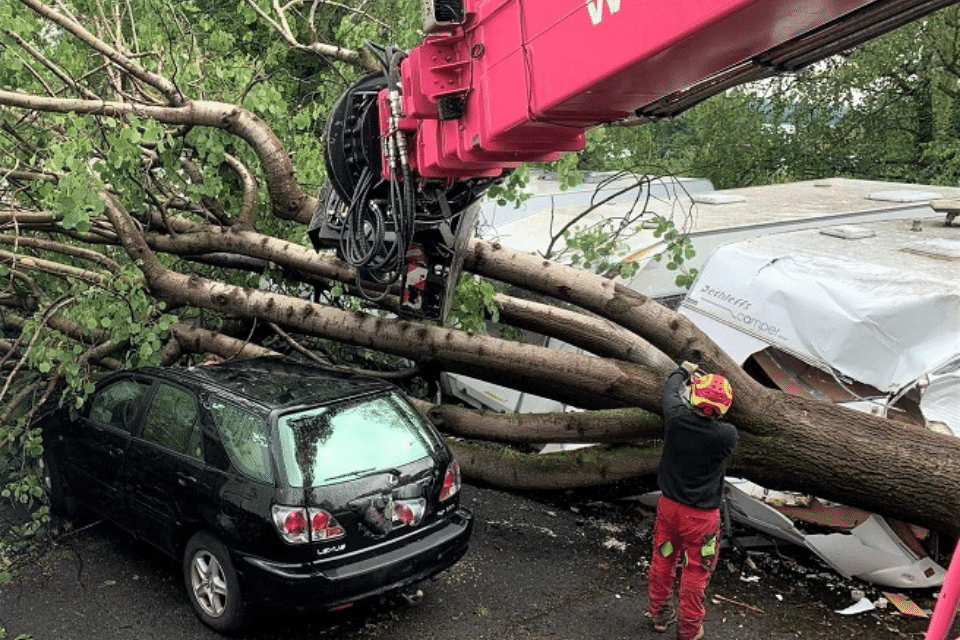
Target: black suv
(274,481)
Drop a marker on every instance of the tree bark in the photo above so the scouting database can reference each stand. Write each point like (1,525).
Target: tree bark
(612,426)
(578,469)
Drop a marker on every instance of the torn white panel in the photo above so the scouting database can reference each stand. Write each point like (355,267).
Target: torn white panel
(748,510)
(940,402)
(876,406)
(563,446)
(855,315)
(649,500)
(772,497)
(872,552)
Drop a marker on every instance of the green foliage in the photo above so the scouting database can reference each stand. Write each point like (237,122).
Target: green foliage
(3,631)
(26,490)
(679,249)
(473,305)
(884,111)
(23,490)
(599,248)
(568,173)
(124,310)
(512,188)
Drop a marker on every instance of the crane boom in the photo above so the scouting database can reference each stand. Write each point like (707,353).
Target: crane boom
(496,83)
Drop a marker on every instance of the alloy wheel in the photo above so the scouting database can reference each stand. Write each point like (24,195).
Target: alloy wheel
(209,583)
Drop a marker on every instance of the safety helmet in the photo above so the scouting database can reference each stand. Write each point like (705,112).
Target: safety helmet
(711,394)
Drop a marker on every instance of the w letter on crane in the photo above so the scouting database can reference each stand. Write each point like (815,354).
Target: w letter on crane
(595,7)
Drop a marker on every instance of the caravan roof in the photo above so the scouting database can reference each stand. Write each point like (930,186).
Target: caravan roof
(710,217)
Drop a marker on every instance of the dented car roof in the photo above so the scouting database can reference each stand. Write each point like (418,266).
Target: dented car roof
(277,382)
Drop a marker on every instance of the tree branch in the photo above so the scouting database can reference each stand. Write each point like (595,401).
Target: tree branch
(49,266)
(289,200)
(62,75)
(282,27)
(63,249)
(166,87)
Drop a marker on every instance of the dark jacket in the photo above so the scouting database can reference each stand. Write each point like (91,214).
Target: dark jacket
(695,449)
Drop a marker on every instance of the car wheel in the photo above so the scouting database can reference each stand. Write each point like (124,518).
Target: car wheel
(212,583)
(54,492)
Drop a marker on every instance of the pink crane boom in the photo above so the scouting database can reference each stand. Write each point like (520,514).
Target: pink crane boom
(496,83)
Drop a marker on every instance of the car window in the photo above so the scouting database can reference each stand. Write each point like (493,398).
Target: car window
(116,405)
(331,444)
(173,421)
(244,436)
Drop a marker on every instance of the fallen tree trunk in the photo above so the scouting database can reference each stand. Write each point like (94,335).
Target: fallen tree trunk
(578,469)
(612,426)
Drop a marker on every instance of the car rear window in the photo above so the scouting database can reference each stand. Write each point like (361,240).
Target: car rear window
(335,443)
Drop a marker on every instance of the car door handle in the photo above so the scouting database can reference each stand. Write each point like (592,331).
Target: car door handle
(185,479)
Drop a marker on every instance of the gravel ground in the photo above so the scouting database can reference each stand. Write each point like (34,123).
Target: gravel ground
(537,569)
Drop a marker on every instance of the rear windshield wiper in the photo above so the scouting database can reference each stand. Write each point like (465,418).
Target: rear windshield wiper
(349,474)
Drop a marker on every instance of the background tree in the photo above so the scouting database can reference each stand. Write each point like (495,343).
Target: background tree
(887,110)
(158,163)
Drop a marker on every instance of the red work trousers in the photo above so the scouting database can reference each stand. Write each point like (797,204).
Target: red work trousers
(690,538)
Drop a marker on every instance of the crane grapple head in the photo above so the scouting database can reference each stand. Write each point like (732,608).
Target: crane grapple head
(403,234)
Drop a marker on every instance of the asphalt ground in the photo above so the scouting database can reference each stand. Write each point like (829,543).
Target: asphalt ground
(558,567)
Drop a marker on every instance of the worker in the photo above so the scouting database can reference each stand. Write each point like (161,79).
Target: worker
(696,446)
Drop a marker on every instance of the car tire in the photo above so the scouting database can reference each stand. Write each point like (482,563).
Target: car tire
(212,584)
(54,491)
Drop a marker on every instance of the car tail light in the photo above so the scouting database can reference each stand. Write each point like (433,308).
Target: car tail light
(451,482)
(291,523)
(298,525)
(403,513)
(409,512)
(324,526)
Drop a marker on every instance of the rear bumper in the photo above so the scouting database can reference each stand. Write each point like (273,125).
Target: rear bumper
(326,584)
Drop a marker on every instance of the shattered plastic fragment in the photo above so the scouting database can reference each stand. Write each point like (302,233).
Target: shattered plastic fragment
(860,606)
